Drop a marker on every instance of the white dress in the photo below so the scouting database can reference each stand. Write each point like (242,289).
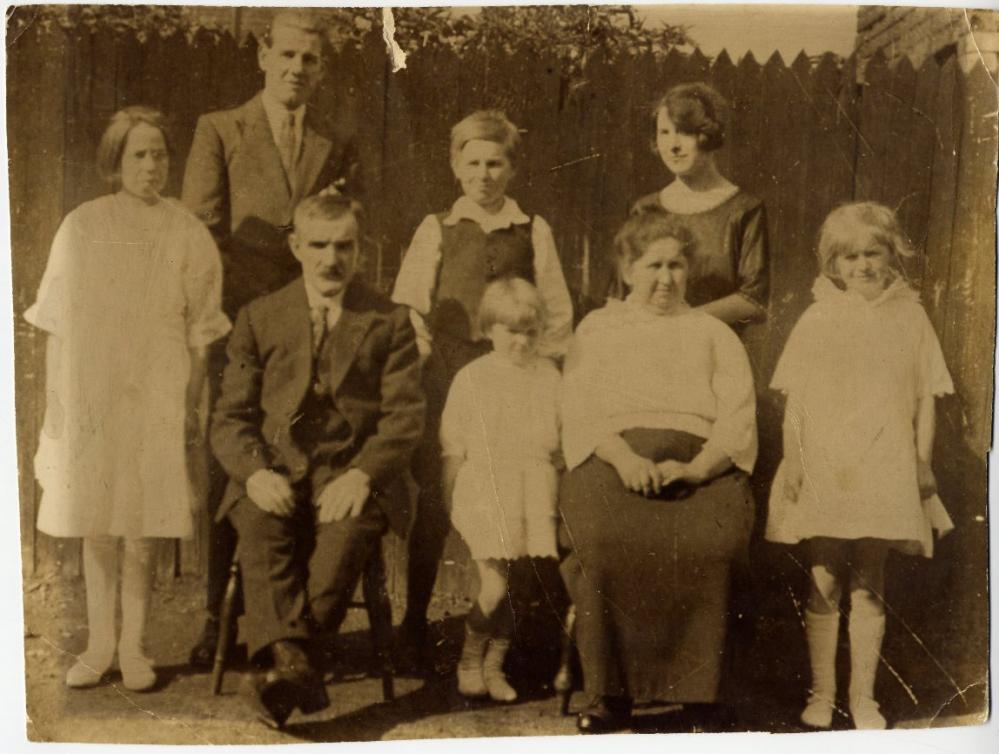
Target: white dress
(128,289)
(502,420)
(858,369)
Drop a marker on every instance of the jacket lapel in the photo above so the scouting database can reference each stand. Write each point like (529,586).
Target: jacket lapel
(315,152)
(259,143)
(344,340)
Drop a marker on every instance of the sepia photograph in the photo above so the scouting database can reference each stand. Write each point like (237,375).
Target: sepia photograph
(390,374)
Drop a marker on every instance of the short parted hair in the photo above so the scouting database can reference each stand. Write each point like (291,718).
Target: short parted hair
(645,228)
(850,227)
(512,302)
(112,144)
(696,109)
(328,207)
(295,18)
(487,125)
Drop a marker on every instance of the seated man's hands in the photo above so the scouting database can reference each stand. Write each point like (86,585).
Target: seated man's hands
(271,492)
(344,496)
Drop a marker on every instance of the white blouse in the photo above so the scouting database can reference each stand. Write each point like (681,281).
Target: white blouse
(628,368)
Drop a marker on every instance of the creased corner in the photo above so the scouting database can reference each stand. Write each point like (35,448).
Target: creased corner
(395,52)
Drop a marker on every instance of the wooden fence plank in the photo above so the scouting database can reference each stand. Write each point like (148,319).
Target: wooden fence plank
(906,172)
(874,130)
(948,119)
(722,77)
(791,140)
(973,261)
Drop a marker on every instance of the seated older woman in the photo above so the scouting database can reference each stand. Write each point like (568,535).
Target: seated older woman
(659,433)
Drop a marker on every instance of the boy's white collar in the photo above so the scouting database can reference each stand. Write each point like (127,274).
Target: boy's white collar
(466,209)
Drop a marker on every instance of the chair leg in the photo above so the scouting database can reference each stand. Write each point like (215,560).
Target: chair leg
(225,627)
(379,608)
(564,680)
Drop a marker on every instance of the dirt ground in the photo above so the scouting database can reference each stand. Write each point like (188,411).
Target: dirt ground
(182,709)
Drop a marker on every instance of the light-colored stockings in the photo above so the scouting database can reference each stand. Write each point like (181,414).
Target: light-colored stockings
(822,630)
(100,573)
(136,587)
(470,681)
(867,630)
(492,671)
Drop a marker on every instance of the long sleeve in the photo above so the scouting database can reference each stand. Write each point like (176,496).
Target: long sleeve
(236,436)
(585,417)
(734,429)
(203,290)
(417,278)
(400,424)
(205,191)
(553,289)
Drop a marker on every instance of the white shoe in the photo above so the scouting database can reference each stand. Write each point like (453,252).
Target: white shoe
(85,675)
(499,688)
(818,712)
(866,714)
(137,672)
(470,681)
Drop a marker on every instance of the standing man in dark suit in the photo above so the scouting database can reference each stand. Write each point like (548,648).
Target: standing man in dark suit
(320,409)
(247,170)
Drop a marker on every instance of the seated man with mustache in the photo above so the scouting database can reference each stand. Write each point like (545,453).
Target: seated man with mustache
(320,408)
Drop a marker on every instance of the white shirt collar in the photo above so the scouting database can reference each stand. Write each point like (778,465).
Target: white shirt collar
(317,300)
(276,112)
(466,209)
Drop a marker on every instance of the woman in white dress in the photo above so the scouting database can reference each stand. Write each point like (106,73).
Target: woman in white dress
(129,300)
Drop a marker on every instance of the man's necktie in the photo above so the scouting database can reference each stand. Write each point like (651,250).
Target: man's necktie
(319,328)
(287,146)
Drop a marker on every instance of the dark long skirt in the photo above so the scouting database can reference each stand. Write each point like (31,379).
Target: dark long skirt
(650,576)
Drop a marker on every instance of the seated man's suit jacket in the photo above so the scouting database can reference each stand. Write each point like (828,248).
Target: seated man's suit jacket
(235,183)
(373,375)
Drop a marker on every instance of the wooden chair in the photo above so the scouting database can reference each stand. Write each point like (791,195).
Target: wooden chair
(375,601)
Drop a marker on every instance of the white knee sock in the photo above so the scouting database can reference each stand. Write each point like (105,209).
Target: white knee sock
(136,586)
(822,630)
(100,575)
(867,630)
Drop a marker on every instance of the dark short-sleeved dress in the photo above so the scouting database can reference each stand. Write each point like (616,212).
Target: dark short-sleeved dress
(732,249)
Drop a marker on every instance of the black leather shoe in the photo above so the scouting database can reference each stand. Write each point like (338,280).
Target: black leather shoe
(612,714)
(291,684)
(591,723)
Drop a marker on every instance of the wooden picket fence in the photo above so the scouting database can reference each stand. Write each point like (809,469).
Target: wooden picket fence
(805,137)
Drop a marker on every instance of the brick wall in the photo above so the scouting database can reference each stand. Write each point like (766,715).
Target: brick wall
(918,33)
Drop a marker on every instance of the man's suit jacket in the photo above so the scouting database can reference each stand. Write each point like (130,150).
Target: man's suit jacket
(373,377)
(235,183)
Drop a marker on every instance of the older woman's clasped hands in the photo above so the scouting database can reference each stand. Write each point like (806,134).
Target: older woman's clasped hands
(657,276)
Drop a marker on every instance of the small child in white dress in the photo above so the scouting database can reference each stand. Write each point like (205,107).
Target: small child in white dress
(860,370)
(499,432)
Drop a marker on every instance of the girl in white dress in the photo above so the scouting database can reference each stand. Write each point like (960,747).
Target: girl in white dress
(860,371)
(499,432)
(129,300)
